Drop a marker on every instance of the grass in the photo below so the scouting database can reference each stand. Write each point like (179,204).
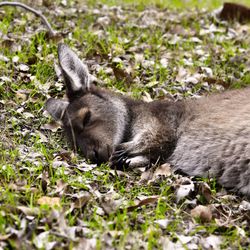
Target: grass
(95,202)
(180,4)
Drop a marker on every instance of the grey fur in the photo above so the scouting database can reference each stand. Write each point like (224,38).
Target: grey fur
(204,137)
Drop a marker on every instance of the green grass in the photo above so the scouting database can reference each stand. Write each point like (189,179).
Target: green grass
(95,202)
(180,4)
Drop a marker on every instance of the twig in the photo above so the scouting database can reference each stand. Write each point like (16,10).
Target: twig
(52,33)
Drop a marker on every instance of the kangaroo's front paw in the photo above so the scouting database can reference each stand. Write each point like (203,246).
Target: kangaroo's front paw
(119,158)
(123,157)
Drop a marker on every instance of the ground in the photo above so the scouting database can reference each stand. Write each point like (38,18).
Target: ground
(51,197)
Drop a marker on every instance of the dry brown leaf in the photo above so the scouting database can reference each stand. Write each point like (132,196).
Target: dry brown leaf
(81,201)
(203,213)
(29,211)
(61,187)
(205,191)
(4,237)
(110,201)
(163,170)
(50,201)
(152,175)
(146,97)
(65,155)
(122,74)
(119,173)
(52,126)
(146,176)
(16,187)
(149,200)
(21,96)
(86,244)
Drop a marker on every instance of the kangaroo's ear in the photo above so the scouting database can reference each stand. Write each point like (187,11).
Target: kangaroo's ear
(56,108)
(75,73)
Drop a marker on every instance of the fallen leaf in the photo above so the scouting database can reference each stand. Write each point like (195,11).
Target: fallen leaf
(23,67)
(15,59)
(122,73)
(184,239)
(167,244)
(241,232)
(22,188)
(146,176)
(163,170)
(50,201)
(29,211)
(110,201)
(61,187)
(41,240)
(144,202)
(4,58)
(208,71)
(182,74)
(52,126)
(183,187)
(163,223)
(244,206)
(21,96)
(205,191)
(86,244)
(203,213)
(211,242)
(4,237)
(57,164)
(82,201)
(146,97)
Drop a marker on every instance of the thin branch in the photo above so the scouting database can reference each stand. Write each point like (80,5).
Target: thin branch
(37,13)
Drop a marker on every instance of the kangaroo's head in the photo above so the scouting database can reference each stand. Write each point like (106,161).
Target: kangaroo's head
(93,119)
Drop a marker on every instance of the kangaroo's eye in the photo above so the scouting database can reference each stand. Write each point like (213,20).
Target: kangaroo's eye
(86,118)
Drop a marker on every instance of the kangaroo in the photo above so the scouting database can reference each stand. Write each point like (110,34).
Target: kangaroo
(209,136)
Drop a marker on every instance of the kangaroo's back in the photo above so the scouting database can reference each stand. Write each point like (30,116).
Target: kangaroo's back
(214,139)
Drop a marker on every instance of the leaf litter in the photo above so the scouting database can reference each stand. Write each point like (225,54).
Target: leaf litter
(52,198)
